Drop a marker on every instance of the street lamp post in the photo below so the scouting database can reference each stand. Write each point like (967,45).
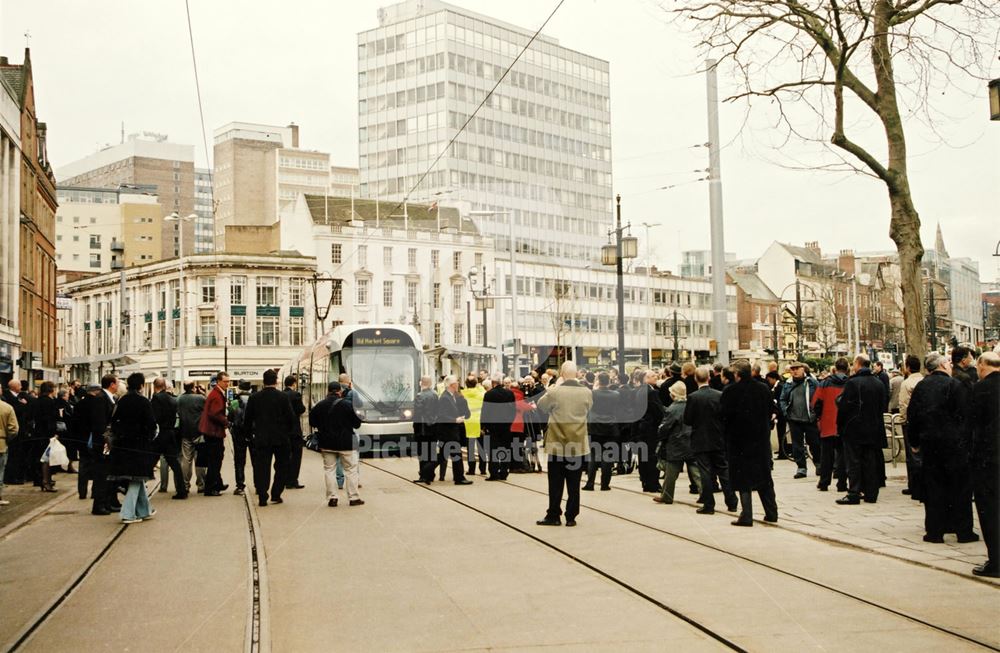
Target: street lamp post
(613,255)
(994,91)
(649,292)
(484,300)
(173,217)
(513,280)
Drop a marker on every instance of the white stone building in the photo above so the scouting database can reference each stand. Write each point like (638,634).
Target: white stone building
(10,248)
(250,311)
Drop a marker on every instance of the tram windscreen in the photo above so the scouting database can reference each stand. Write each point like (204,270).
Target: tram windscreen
(384,368)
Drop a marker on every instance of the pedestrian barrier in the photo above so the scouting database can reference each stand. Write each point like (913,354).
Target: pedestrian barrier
(894,434)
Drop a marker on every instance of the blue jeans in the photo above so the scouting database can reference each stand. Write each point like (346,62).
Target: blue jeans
(136,502)
(340,474)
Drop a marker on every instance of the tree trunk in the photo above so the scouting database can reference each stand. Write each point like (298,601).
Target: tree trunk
(905,232)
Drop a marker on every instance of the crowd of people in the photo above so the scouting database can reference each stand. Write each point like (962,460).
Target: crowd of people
(714,421)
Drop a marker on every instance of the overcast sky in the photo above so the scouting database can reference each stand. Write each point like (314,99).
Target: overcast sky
(98,63)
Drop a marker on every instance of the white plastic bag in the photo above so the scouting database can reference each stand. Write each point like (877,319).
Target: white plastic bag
(56,453)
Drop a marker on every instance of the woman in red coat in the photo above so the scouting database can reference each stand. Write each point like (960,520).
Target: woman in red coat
(824,404)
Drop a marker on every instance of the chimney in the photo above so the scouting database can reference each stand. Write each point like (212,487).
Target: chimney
(814,246)
(3,61)
(846,261)
(295,134)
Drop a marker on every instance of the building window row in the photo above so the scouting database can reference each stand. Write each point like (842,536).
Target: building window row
(403,69)
(394,128)
(399,99)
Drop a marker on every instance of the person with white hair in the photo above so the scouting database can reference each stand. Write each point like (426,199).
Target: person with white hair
(938,430)
(452,412)
(568,405)
(675,443)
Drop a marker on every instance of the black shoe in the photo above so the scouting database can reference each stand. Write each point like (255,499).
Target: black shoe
(115,507)
(571,522)
(965,538)
(332,502)
(841,488)
(732,507)
(549,522)
(83,497)
(741,522)
(423,481)
(705,511)
(471,472)
(201,490)
(100,511)
(223,487)
(605,488)
(693,490)
(180,495)
(294,486)
(771,519)
(213,493)
(588,487)
(907,491)
(823,488)
(987,570)
(781,456)
(848,501)
(799,475)
(261,501)
(493,478)
(464,481)
(934,539)
(239,492)
(277,500)
(356,502)
(872,500)
(441,478)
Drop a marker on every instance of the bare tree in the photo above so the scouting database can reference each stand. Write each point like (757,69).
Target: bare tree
(563,313)
(807,53)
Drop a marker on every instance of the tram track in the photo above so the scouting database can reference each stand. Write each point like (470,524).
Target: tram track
(257,637)
(716,549)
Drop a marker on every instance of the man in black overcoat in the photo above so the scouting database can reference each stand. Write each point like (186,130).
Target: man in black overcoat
(424,419)
(939,429)
(648,402)
(746,419)
(861,427)
(985,460)
(703,415)
(167,441)
(295,441)
(498,414)
(452,411)
(267,421)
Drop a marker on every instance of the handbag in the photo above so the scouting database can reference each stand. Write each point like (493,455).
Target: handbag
(312,441)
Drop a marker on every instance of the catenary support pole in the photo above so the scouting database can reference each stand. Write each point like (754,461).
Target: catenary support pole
(720,323)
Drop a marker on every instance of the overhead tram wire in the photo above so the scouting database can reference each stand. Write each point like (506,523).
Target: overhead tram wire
(461,129)
(201,112)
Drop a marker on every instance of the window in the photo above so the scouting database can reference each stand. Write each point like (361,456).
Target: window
(296,331)
(267,291)
(387,294)
(207,290)
(456,296)
(336,253)
(238,291)
(479,260)
(456,261)
(95,241)
(267,331)
(387,257)
(437,332)
(362,256)
(411,294)
(411,258)
(459,333)
(295,295)
(437,296)
(95,260)
(336,293)
(435,258)
(361,292)
(479,335)
(238,330)
(206,331)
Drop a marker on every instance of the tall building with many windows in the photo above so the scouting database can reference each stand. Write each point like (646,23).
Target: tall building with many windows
(204,224)
(537,152)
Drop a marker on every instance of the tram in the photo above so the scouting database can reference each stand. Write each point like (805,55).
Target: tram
(385,364)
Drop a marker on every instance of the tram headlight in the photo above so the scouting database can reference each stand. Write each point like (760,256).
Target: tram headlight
(407,413)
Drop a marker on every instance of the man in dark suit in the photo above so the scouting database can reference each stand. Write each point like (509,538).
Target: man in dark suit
(167,443)
(602,427)
(99,416)
(452,411)
(424,418)
(295,435)
(267,422)
(498,414)
(648,432)
(16,446)
(703,415)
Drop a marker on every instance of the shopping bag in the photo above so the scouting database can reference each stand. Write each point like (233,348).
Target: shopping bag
(57,453)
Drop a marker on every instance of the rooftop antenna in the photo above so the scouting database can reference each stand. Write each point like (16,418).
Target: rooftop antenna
(27,39)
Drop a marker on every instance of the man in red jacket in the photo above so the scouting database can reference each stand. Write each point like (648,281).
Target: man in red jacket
(824,404)
(213,427)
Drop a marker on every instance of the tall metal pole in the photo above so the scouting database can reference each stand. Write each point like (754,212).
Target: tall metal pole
(857,323)
(677,349)
(774,335)
(468,322)
(933,317)
(123,316)
(513,293)
(720,323)
(621,287)
(180,286)
(798,319)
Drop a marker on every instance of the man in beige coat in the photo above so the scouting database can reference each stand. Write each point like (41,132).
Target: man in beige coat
(568,405)
(8,429)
